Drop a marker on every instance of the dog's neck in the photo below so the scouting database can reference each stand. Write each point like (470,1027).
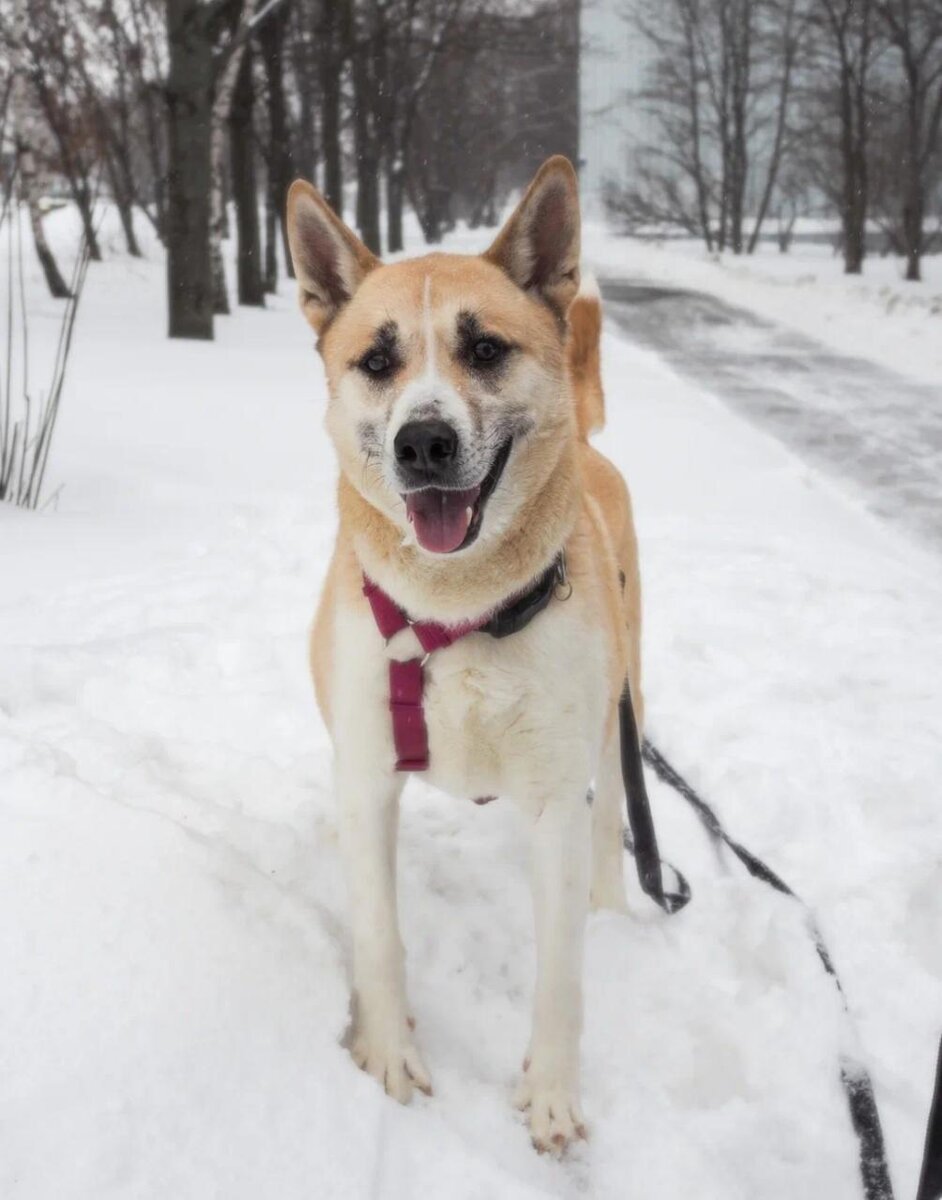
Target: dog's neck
(456,588)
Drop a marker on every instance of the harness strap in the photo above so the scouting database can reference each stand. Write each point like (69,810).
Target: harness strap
(407,679)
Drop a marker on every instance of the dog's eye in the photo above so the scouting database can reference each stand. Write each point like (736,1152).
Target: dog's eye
(487,350)
(376,363)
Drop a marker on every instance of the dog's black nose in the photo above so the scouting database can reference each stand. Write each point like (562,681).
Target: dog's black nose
(425,449)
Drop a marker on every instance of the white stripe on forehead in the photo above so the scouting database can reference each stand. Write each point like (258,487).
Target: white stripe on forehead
(428,328)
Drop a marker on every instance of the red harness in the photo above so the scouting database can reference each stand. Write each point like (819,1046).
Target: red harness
(407,679)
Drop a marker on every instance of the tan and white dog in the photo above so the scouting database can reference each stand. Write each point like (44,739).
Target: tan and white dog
(462,391)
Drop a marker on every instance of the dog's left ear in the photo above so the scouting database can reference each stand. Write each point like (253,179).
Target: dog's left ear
(329,259)
(539,245)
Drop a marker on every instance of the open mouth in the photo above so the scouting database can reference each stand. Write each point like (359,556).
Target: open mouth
(446,519)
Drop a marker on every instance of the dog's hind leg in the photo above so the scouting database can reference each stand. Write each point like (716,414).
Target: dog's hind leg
(608,850)
(382,1041)
(550,1085)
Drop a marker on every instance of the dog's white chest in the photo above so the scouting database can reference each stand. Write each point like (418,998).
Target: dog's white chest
(517,716)
(520,717)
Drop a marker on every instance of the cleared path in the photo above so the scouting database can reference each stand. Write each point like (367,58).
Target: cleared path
(858,420)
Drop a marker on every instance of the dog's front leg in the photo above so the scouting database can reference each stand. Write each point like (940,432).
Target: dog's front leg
(550,1085)
(382,1042)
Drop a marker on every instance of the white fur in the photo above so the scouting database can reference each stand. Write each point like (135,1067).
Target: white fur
(429,394)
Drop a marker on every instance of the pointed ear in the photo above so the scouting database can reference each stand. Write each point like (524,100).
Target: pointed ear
(330,261)
(539,245)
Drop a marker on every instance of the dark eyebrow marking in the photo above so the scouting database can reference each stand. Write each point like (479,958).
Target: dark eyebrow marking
(387,335)
(385,341)
(469,327)
(470,330)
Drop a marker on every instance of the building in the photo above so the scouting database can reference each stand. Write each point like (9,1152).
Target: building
(614,60)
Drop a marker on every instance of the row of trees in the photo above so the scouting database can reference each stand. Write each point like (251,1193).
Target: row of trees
(758,108)
(175,108)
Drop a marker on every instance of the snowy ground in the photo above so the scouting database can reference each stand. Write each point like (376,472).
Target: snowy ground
(174,989)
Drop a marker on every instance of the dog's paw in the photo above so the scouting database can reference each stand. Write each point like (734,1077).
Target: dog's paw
(555,1114)
(394,1062)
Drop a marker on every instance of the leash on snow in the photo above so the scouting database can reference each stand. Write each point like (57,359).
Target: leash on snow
(642,843)
(930,1181)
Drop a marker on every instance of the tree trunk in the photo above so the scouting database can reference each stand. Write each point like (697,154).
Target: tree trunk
(741,51)
(307,139)
(222,104)
(691,81)
(245,186)
(913,194)
(83,200)
(58,287)
(789,50)
(912,230)
(26,164)
(331,61)
(23,135)
(149,98)
(271,244)
(394,204)
(280,166)
(189,113)
(126,215)
(367,150)
(123,203)
(853,184)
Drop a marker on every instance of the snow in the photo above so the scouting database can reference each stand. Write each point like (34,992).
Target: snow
(876,315)
(172,923)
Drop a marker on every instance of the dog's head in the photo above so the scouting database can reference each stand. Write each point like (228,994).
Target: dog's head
(449,399)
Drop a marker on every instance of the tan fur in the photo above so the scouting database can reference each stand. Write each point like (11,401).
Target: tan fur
(585,331)
(567,669)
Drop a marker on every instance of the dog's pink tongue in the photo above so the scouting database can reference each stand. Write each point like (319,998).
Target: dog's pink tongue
(441,519)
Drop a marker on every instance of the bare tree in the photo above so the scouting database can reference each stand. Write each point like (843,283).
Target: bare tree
(55,44)
(786,45)
(718,95)
(228,63)
(191,38)
(279,156)
(367,42)
(108,90)
(914,29)
(333,40)
(26,134)
(250,282)
(144,36)
(419,34)
(841,96)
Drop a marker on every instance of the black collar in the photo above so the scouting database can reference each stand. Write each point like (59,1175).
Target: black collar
(520,611)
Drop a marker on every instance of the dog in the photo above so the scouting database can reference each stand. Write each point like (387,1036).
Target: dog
(462,393)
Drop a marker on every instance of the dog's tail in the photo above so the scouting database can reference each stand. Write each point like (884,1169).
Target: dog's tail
(585,331)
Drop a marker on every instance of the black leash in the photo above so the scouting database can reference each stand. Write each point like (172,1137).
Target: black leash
(855,1079)
(930,1181)
(643,840)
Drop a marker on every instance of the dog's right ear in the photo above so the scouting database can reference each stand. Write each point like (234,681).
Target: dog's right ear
(330,261)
